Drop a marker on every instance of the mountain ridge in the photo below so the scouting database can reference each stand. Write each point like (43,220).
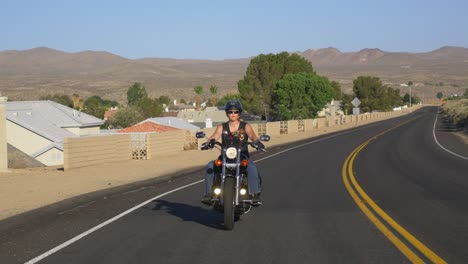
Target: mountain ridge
(28,74)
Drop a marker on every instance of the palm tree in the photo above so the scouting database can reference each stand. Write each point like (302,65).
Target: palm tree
(199,91)
(76,101)
(214,92)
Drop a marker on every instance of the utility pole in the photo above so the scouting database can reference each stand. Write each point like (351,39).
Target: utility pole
(410,96)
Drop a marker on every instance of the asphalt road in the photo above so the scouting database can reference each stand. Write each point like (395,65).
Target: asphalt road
(309,213)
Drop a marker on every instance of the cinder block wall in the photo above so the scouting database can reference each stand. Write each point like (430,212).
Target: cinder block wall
(321,122)
(89,151)
(310,124)
(81,152)
(293,126)
(331,121)
(3,141)
(165,143)
(273,128)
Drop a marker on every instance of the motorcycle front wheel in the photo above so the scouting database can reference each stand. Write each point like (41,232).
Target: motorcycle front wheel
(229,203)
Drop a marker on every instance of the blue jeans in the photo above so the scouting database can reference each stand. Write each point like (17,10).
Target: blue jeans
(252,175)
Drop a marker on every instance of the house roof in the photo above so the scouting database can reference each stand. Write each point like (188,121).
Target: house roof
(48,118)
(173,122)
(147,126)
(47,148)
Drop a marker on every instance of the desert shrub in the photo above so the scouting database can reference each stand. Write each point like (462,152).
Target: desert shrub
(457,111)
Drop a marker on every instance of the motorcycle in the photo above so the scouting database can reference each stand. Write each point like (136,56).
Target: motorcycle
(230,184)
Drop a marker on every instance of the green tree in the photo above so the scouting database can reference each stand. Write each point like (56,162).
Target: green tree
(126,117)
(393,98)
(414,99)
(62,99)
(262,74)
(214,93)
(149,107)
(440,95)
(164,99)
(410,83)
(135,93)
(92,105)
(301,96)
(96,106)
(230,96)
(466,93)
(346,103)
(199,91)
(337,87)
(372,94)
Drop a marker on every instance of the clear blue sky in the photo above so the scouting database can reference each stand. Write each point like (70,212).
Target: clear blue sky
(231,29)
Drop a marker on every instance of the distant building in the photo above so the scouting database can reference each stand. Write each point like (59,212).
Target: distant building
(211,115)
(38,128)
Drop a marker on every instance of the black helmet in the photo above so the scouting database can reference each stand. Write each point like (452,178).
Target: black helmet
(233,105)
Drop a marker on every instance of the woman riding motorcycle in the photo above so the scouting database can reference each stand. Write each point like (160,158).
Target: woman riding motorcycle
(227,131)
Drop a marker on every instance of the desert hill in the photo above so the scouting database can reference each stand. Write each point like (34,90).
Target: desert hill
(28,74)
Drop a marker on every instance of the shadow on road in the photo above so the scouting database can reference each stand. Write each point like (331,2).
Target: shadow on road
(446,125)
(186,212)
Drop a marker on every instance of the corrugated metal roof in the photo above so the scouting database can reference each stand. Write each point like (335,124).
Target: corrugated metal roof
(173,122)
(48,119)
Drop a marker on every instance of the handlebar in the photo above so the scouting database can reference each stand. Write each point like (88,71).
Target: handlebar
(256,147)
(207,145)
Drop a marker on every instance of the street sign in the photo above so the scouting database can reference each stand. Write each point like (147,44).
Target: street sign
(355,102)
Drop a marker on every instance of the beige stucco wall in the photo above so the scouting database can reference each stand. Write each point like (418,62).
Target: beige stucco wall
(88,151)
(208,132)
(3,140)
(310,124)
(25,140)
(52,157)
(321,122)
(273,128)
(293,126)
(81,152)
(165,143)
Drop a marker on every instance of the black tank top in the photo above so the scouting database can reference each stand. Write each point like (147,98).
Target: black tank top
(236,137)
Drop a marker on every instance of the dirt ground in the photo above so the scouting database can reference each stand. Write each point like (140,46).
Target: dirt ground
(463,136)
(22,190)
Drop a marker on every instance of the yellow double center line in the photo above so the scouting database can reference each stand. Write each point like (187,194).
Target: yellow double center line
(371,210)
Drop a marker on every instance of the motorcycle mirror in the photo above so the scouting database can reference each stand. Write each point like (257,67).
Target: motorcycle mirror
(200,134)
(264,137)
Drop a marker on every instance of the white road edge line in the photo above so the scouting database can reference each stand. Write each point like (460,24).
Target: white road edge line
(440,145)
(115,218)
(80,236)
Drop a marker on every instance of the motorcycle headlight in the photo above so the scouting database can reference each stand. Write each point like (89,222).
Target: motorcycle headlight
(231,153)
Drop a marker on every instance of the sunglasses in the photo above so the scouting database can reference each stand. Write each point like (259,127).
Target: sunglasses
(233,112)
